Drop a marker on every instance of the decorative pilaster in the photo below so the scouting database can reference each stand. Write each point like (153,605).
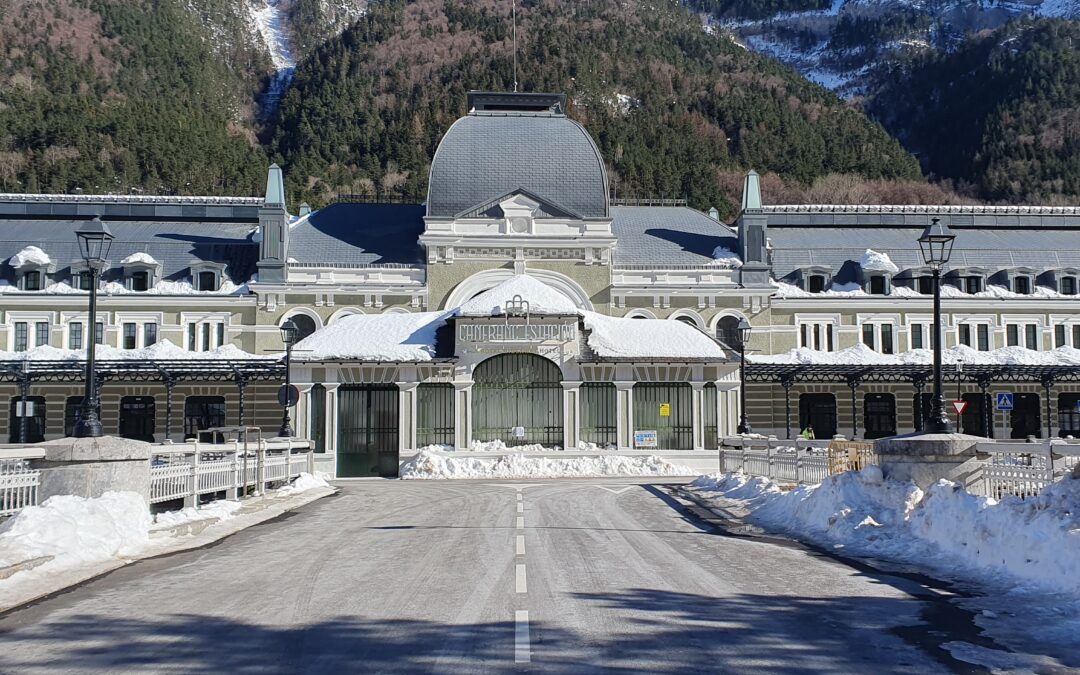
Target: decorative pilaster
(697,419)
(571,414)
(302,423)
(624,414)
(407,415)
(463,393)
(332,419)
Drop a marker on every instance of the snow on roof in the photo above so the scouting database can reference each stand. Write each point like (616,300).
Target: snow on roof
(31,255)
(725,257)
(375,337)
(542,299)
(864,356)
(144,258)
(160,351)
(873,261)
(648,338)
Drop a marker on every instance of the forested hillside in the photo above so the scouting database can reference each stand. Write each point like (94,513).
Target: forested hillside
(674,109)
(1003,112)
(121,96)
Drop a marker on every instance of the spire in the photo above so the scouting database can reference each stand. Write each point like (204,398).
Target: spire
(751,194)
(275,187)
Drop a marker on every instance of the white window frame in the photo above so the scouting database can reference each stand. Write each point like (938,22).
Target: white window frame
(1069,321)
(827,323)
(31,319)
(1021,322)
(140,319)
(877,321)
(213,319)
(67,318)
(974,320)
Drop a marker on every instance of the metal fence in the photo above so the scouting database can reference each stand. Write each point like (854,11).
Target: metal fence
(190,472)
(800,461)
(18,481)
(1023,469)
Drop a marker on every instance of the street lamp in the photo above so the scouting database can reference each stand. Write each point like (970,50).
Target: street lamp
(95,240)
(744,329)
(936,244)
(289,335)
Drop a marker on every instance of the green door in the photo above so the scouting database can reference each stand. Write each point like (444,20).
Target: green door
(518,390)
(367,431)
(667,409)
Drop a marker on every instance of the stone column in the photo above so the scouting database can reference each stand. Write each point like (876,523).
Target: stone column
(571,414)
(463,414)
(332,419)
(407,416)
(697,419)
(624,414)
(302,423)
(927,458)
(90,467)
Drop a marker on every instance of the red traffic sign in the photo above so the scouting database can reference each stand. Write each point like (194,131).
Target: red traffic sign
(959,406)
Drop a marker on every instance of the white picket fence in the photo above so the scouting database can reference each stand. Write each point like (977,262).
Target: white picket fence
(1023,469)
(192,470)
(800,461)
(18,482)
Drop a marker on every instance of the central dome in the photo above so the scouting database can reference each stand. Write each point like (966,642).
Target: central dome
(490,154)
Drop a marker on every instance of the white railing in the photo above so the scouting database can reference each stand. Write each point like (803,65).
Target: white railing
(193,470)
(796,461)
(18,481)
(1023,469)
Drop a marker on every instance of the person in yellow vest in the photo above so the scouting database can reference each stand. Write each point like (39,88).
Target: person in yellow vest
(808,433)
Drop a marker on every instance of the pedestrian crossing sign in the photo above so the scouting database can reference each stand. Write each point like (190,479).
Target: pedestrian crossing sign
(1004,400)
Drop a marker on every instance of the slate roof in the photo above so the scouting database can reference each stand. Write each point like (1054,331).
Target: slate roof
(663,236)
(177,232)
(993,239)
(487,155)
(359,234)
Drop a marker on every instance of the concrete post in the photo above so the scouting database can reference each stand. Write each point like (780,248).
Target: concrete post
(332,419)
(624,414)
(927,458)
(571,414)
(697,419)
(407,416)
(302,423)
(463,414)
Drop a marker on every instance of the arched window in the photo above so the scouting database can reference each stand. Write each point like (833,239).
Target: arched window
(518,399)
(304,324)
(687,320)
(727,331)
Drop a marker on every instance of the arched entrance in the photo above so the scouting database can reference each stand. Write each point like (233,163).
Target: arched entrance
(518,391)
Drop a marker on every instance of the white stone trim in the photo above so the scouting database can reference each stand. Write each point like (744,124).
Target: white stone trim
(488,279)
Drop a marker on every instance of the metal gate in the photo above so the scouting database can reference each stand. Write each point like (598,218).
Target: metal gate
(598,422)
(818,413)
(367,431)
(434,414)
(710,428)
(879,416)
(518,391)
(137,417)
(675,430)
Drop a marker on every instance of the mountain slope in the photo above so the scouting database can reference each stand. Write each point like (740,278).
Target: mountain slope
(128,95)
(1002,111)
(671,107)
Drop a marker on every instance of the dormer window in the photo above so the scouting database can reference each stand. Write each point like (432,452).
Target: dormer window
(815,283)
(140,281)
(1022,285)
(973,284)
(207,281)
(207,276)
(879,285)
(141,271)
(1067,286)
(81,280)
(31,281)
(924,285)
(32,266)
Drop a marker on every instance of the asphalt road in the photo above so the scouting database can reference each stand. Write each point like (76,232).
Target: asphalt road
(466,577)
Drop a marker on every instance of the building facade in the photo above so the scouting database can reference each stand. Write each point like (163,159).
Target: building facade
(519,304)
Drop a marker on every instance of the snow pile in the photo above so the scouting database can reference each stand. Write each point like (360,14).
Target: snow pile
(222,509)
(144,258)
(542,299)
(430,465)
(860,354)
(169,287)
(645,338)
(76,530)
(31,255)
(499,446)
(159,351)
(1036,540)
(725,257)
(305,481)
(873,261)
(375,337)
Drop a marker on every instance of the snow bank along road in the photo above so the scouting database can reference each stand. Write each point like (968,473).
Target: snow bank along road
(466,577)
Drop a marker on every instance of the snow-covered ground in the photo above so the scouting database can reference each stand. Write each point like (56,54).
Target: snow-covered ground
(269,20)
(1031,543)
(433,465)
(77,532)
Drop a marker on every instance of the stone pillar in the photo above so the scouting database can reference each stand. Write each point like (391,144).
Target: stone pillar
(302,423)
(571,414)
(927,458)
(463,414)
(332,419)
(90,467)
(407,416)
(624,414)
(697,419)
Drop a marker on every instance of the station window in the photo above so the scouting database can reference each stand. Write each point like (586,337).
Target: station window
(75,335)
(32,280)
(879,285)
(981,334)
(140,281)
(925,285)
(21,336)
(207,281)
(879,337)
(815,335)
(973,285)
(1068,286)
(816,283)
(1022,285)
(130,336)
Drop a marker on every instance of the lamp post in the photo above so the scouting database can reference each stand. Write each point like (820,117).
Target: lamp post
(289,334)
(936,244)
(744,329)
(95,240)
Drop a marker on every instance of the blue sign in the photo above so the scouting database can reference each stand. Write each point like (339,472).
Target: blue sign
(1004,401)
(645,439)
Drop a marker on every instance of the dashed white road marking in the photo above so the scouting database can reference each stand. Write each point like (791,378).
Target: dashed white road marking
(521,522)
(615,492)
(522,652)
(519,583)
(521,507)
(520,544)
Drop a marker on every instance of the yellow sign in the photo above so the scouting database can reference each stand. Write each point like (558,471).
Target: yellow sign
(665,410)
